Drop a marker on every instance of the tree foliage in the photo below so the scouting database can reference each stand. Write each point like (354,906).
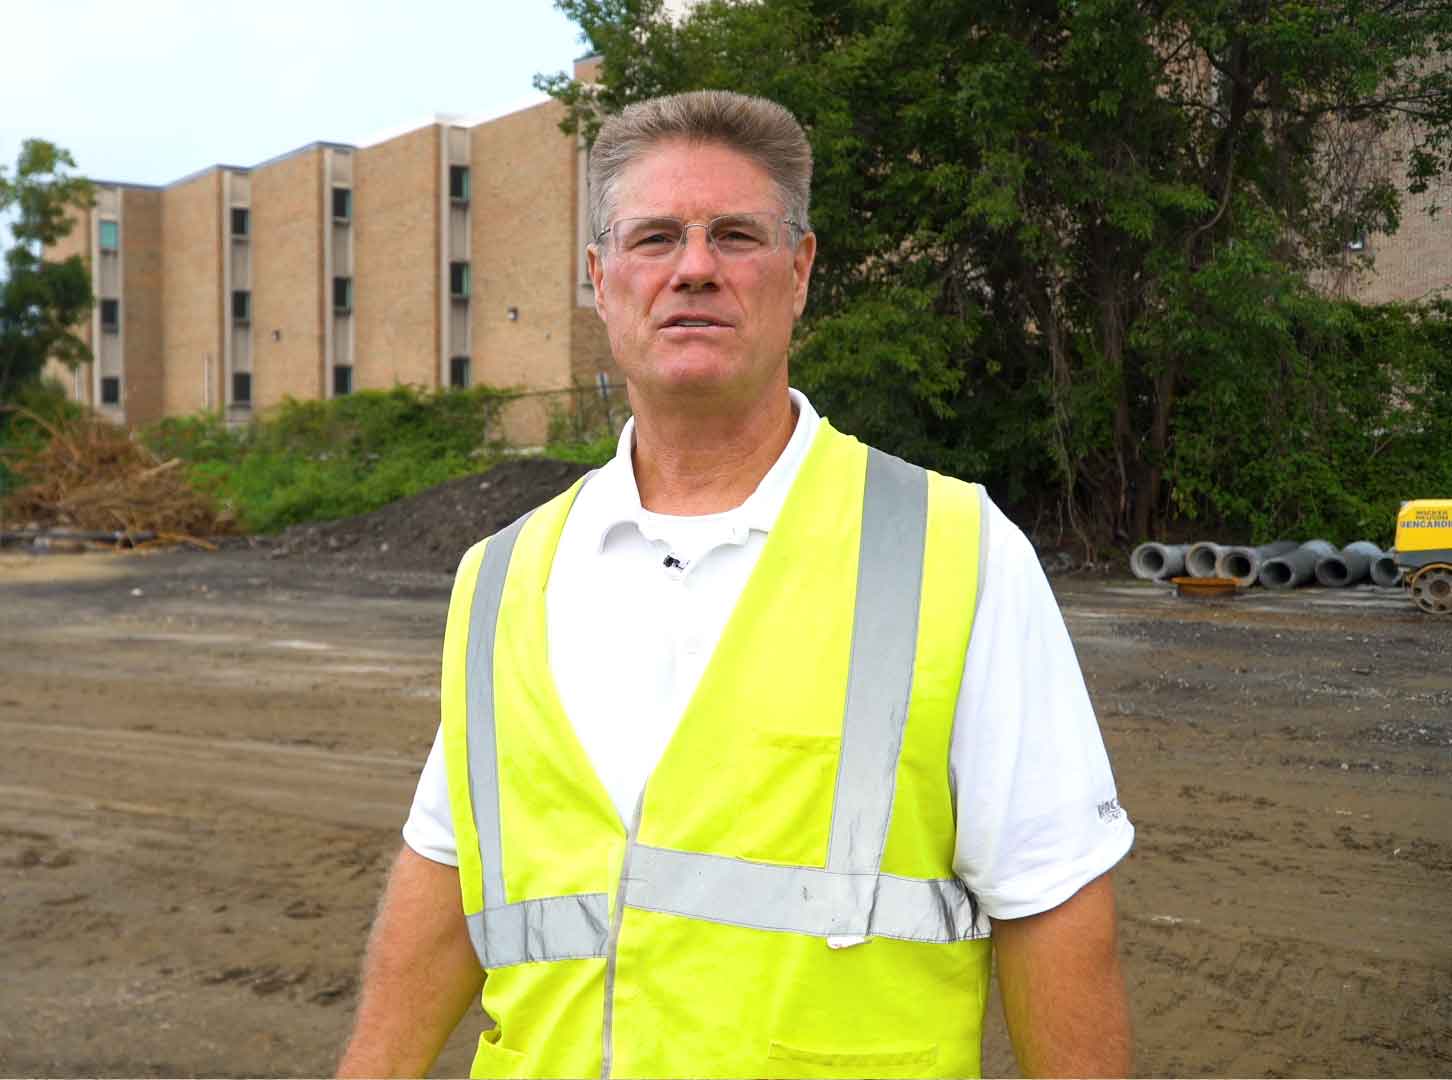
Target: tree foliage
(1073,248)
(41,301)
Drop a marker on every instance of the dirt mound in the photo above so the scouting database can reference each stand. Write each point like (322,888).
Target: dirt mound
(431,530)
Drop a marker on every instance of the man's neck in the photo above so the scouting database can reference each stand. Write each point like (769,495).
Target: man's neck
(705,464)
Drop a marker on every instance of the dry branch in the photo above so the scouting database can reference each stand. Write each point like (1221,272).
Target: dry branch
(95,475)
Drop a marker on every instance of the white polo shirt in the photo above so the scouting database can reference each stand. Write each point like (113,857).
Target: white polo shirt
(636,602)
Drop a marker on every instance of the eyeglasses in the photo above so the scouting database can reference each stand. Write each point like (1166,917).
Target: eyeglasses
(731,236)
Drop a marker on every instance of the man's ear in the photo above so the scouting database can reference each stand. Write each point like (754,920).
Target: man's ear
(802,259)
(595,264)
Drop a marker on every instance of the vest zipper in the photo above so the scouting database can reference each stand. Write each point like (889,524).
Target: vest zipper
(612,942)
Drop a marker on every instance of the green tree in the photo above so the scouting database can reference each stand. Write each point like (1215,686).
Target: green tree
(1049,229)
(41,301)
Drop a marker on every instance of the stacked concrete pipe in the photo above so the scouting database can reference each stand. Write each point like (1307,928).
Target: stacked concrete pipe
(1201,559)
(1385,571)
(1244,563)
(1351,566)
(1157,562)
(1295,567)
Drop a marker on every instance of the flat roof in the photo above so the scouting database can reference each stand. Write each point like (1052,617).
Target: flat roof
(467,120)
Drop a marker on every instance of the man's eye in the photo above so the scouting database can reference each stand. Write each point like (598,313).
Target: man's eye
(651,239)
(738,239)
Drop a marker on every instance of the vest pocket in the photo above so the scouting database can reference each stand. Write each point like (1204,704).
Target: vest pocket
(857,1062)
(491,1059)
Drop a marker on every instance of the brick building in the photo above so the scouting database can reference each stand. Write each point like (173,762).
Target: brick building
(448,254)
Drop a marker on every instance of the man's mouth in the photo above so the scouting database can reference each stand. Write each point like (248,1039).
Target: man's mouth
(689,322)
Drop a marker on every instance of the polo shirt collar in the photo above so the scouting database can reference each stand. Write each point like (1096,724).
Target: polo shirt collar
(621,506)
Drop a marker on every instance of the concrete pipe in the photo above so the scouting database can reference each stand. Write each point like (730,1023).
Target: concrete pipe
(1349,567)
(1295,567)
(1157,562)
(1200,560)
(1244,563)
(1385,571)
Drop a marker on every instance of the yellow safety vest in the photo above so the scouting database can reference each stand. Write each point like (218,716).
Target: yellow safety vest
(803,794)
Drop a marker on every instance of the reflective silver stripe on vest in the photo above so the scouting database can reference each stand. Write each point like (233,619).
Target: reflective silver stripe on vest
(555,928)
(797,899)
(880,677)
(479,698)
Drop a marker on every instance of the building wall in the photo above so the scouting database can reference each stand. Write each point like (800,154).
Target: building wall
(143,386)
(524,247)
(1416,262)
(590,356)
(76,242)
(397,280)
(590,347)
(288,291)
(192,301)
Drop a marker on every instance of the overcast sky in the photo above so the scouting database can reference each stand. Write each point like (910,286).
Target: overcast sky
(148,91)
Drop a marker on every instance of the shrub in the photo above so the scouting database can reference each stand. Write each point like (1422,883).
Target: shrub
(321,460)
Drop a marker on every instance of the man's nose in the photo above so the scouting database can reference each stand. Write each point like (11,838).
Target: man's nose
(697,263)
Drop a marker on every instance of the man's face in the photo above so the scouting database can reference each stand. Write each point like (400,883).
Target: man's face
(748,303)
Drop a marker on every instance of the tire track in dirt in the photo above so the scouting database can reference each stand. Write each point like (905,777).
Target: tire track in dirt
(319,784)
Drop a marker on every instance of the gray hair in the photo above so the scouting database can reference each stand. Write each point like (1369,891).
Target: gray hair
(754,126)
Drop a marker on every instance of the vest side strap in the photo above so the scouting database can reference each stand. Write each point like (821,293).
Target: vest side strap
(797,899)
(530,931)
(479,698)
(880,675)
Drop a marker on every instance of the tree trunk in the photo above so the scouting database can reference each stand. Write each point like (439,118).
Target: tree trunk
(1111,322)
(1149,508)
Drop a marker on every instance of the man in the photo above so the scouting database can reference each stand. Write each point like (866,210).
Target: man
(756,743)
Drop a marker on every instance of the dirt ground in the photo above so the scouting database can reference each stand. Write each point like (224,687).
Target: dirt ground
(208,757)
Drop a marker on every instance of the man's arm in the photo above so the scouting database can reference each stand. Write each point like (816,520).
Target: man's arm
(1063,993)
(419,974)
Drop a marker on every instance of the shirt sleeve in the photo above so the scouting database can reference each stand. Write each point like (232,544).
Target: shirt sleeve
(429,829)
(1038,817)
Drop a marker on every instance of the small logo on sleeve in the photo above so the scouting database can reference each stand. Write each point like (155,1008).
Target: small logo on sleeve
(1110,811)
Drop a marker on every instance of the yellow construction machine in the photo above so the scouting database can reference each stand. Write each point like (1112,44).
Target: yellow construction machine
(1424,553)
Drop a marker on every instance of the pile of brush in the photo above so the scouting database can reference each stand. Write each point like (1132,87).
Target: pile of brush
(94,477)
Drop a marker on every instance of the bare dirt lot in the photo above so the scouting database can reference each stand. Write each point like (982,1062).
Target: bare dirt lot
(207,759)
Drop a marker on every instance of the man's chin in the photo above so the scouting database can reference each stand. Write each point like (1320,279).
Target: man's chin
(696,374)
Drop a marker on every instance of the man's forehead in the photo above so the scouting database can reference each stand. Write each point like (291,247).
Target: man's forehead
(688,178)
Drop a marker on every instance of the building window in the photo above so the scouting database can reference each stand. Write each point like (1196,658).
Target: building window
(342,204)
(342,295)
(111,316)
(241,306)
(459,280)
(458,372)
(110,390)
(342,379)
(459,183)
(241,222)
(241,388)
(110,235)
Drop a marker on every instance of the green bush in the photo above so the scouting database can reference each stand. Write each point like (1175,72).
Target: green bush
(1354,418)
(321,460)
(586,430)
(594,451)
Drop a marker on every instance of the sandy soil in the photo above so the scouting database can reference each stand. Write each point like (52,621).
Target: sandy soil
(207,759)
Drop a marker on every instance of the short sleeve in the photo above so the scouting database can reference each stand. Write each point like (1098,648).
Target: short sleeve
(429,829)
(1038,816)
